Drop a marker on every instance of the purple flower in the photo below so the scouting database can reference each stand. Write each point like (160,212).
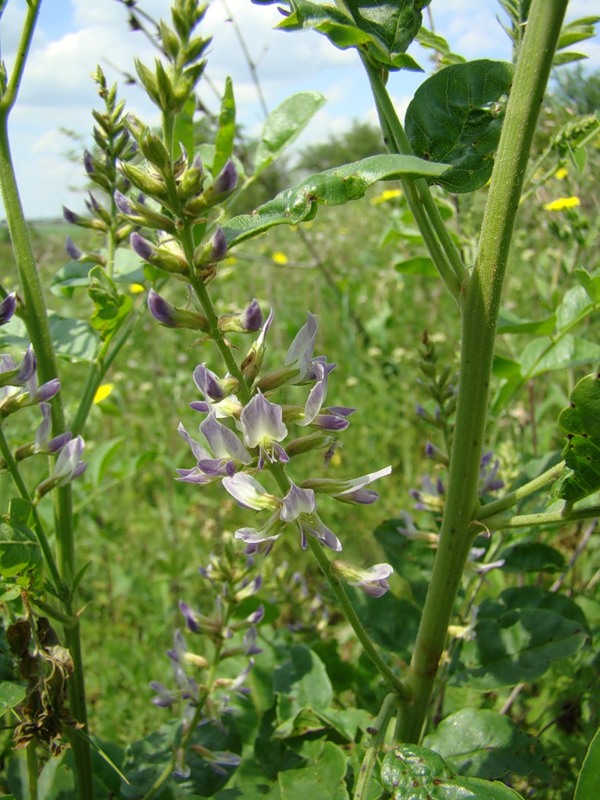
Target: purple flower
(373,581)
(299,506)
(249,493)
(208,383)
(8,307)
(88,162)
(263,427)
(252,318)
(67,467)
(70,216)
(226,180)
(72,249)
(142,247)
(218,245)
(123,204)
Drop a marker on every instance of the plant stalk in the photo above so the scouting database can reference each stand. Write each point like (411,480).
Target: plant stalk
(479,316)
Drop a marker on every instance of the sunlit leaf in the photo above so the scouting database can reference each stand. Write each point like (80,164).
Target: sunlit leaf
(456,117)
(414,772)
(284,125)
(589,777)
(332,187)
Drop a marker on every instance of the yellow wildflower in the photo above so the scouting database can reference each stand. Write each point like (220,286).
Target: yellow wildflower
(562,203)
(561,173)
(387,194)
(103,391)
(279,258)
(136,288)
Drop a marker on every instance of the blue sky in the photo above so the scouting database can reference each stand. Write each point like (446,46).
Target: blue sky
(73,36)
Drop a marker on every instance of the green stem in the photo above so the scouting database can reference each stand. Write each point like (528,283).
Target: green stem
(513,498)
(13,469)
(380,726)
(38,328)
(397,686)
(32,770)
(480,311)
(435,234)
(546,518)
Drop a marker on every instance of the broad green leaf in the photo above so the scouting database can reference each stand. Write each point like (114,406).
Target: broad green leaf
(591,284)
(284,125)
(11,694)
(73,339)
(418,265)
(331,188)
(532,557)
(510,323)
(392,26)
(574,308)
(541,355)
(19,550)
(320,780)
(581,422)
(301,681)
(486,744)
(505,367)
(410,772)
(226,132)
(517,636)
(589,777)
(382,30)
(391,622)
(69,278)
(455,118)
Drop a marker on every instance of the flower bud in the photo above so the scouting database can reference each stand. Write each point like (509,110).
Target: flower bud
(249,321)
(156,153)
(172,317)
(7,308)
(212,251)
(72,249)
(150,184)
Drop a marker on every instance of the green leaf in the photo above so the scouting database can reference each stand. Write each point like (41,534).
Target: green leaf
(418,265)
(574,308)
(391,622)
(301,681)
(591,284)
(382,31)
(184,128)
(517,637)
(589,777)
(11,694)
(73,339)
(330,188)
(226,132)
(322,780)
(69,278)
(415,773)
(284,125)
(532,557)
(455,118)
(581,422)
(111,307)
(486,744)
(434,41)
(510,323)
(541,355)
(19,550)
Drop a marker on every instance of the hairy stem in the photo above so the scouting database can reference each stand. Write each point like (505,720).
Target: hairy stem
(480,311)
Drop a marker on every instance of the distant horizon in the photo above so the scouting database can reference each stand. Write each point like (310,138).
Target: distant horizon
(73,36)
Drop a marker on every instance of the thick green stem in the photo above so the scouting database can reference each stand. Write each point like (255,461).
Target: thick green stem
(480,310)
(38,328)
